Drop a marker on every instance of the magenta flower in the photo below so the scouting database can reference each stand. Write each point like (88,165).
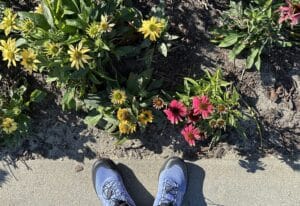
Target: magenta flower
(289,12)
(191,134)
(192,117)
(202,105)
(176,111)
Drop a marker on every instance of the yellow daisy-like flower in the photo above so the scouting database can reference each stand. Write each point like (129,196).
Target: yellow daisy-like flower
(123,114)
(105,25)
(27,26)
(145,117)
(152,28)
(8,22)
(9,51)
(126,127)
(39,9)
(9,125)
(93,30)
(52,49)
(78,56)
(221,123)
(29,60)
(118,96)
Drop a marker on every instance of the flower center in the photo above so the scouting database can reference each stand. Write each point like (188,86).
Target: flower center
(190,135)
(175,110)
(77,55)
(203,106)
(104,25)
(153,28)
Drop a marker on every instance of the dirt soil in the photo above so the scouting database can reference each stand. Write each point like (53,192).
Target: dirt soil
(273,93)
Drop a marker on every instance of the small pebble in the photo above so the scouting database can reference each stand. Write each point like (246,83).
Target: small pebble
(79,168)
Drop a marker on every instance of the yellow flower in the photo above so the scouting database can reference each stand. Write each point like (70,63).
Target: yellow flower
(9,51)
(152,28)
(78,56)
(118,96)
(9,125)
(105,25)
(126,127)
(52,49)
(8,23)
(145,117)
(158,103)
(123,114)
(29,60)
(27,26)
(39,9)
(93,30)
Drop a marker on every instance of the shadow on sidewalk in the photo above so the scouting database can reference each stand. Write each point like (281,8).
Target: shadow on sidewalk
(194,195)
(3,176)
(143,197)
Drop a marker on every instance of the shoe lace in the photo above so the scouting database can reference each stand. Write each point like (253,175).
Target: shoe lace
(112,192)
(170,190)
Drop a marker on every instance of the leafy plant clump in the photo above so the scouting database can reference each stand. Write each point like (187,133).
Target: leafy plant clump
(90,49)
(14,105)
(206,108)
(250,28)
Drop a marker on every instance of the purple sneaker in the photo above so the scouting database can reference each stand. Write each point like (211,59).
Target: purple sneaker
(109,185)
(172,183)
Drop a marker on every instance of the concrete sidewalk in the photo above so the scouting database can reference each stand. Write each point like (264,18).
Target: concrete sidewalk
(212,182)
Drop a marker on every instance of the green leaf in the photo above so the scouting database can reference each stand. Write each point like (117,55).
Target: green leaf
(163,49)
(48,15)
(229,40)
(258,62)
(37,96)
(76,23)
(68,100)
(251,57)
(237,49)
(20,42)
(92,120)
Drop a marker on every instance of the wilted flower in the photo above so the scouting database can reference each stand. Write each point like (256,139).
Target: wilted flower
(152,28)
(123,114)
(9,51)
(176,111)
(191,134)
(145,117)
(213,123)
(9,125)
(78,56)
(202,105)
(158,103)
(8,22)
(118,96)
(127,127)
(221,108)
(221,123)
(29,60)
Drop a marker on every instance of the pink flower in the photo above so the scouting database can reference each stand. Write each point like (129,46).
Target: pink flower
(191,134)
(175,111)
(289,12)
(202,105)
(192,118)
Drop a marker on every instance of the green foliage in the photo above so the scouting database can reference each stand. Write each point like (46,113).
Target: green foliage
(249,28)
(138,94)
(14,106)
(222,96)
